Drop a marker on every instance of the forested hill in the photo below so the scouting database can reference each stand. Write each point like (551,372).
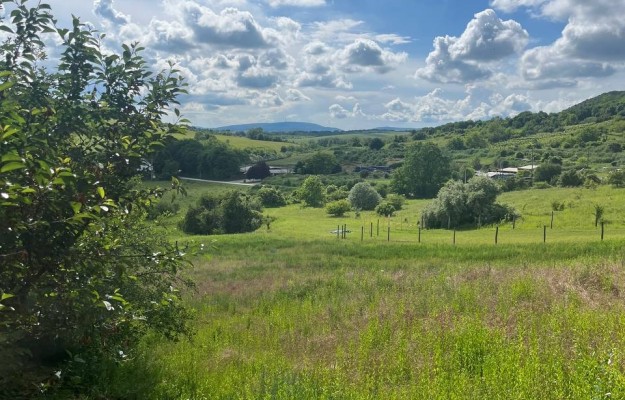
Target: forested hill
(602,108)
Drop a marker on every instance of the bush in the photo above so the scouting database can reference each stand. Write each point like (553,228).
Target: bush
(271,197)
(469,204)
(571,178)
(385,209)
(312,192)
(163,208)
(364,197)
(396,200)
(547,172)
(233,212)
(617,178)
(338,208)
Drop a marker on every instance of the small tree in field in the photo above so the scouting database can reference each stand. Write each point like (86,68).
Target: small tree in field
(385,209)
(338,208)
(312,192)
(363,196)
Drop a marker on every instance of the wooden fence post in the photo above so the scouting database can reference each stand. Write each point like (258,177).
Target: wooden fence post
(496,234)
(419,235)
(388,238)
(544,233)
(602,230)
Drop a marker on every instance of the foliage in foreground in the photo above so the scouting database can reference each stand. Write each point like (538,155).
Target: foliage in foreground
(80,273)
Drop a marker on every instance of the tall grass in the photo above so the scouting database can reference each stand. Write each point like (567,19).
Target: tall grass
(292,319)
(292,312)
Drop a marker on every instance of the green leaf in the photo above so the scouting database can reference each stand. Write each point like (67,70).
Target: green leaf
(6,296)
(101,192)
(6,85)
(11,157)
(76,206)
(12,166)
(6,28)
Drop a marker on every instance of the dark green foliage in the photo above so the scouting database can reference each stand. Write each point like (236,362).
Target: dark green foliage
(376,144)
(571,178)
(338,208)
(547,172)
(210,159)
(260,170)
(471,204)
(79,268)
(456,143)
(320,163)
(424,171)
(233,212)
(615,147)
(271,197)
(364,197)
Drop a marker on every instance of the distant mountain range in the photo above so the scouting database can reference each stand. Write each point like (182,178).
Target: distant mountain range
(280,127)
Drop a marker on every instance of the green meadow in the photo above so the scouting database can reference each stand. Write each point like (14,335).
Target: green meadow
(294,312)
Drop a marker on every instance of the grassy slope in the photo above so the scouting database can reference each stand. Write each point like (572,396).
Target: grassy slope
(294,312)
(245,143)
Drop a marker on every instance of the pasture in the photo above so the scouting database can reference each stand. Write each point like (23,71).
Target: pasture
(292,312)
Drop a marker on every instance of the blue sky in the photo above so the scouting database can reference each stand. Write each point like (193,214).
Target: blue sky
(369,63)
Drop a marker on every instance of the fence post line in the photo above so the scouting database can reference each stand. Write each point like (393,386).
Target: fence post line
(378,227)
(551,226)
(419,235)
(338,231)
(454,237)
(362,233)
(544,233)
(371,230)
(496,234)
(388,237)
(513,221)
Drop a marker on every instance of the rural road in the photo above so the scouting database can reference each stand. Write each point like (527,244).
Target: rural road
(236,183)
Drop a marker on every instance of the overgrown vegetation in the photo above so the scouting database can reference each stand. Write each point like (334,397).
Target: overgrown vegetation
(82,276)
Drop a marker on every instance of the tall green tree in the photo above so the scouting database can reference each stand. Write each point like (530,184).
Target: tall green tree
(79,268)
(312,192)
(423,173)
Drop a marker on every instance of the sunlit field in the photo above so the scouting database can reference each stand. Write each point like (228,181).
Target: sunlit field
(293,312)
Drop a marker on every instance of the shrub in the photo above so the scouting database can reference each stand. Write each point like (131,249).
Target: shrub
(472,203)
(385,209)
(396,200)
(312,192)
(617,178)
(271,197)
(338,208)
(364,197)
(571,178)
(233,212)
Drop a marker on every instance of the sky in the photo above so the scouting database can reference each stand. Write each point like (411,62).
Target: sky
(370,63)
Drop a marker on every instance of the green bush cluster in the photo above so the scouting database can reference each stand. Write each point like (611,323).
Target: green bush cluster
(233,212)
(466,204)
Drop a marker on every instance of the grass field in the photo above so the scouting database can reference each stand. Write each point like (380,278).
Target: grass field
(239,142)
(295,313)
